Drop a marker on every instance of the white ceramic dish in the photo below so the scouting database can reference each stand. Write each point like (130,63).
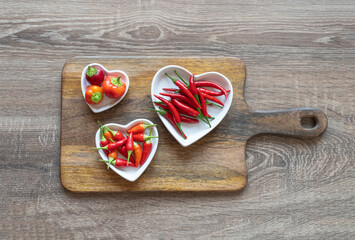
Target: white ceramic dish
(130,173)
(107,102)
(193,132)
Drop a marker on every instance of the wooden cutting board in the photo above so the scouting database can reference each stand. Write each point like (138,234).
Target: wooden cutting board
(214,163)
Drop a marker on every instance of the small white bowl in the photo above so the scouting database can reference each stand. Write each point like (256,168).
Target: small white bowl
(129,173)
(107,102)
(193,131)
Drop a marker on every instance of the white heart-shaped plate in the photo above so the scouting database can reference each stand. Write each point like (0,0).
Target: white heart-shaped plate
(193,131)
(106,102)
(130,173)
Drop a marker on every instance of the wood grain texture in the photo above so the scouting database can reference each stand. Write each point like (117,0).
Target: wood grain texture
(297,53)
(214,163)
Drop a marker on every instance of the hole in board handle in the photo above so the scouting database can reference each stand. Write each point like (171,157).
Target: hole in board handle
(309,122)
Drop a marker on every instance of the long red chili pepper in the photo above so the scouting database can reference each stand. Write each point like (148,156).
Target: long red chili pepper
(123,151)
(129,145)
(185,108)
(204,107)
(174,112)
(114,145)
(147,148)
(141,137)
(171,89)
(119,162)
(210,97)
(183,118)
(117,135)
(189,120)
(192,86)
(178,96)
(108,135)
(170,118)
(211,84)
(137,153)
(184,90)
(139,128)
(103,141)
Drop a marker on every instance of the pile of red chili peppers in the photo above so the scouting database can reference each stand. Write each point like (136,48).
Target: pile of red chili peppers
(135,153)
(188,103)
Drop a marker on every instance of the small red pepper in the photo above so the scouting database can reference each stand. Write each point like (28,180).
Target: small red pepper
(117,135)
(141,137)
(137,153)
(170,118)
(129,146)
(119,162)
(113,146)
(209,97)
(211,84)
(140,128)
(147,148)
(123,151)
(174,112)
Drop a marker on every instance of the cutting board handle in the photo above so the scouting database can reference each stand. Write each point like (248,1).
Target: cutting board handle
(298,122)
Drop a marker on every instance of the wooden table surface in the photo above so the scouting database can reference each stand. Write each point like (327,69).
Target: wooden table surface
(297,54)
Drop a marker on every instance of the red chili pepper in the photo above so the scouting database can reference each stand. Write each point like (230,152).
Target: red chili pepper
(129,145)
(137,153)
(170,118)
(140,128)
(117,135)
(203,105)
(210,92)
(211,84)
(108,135)
(209,97)
(147,148)
(178,96)
(174,112)
(185,108)
(171,89)
(123,151)
(185,91)
(119,162)
(161,106)
(141,137)
(113,146)
(192,86)
(183,118)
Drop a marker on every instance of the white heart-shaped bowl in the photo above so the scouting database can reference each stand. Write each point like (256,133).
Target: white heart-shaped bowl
(193,131)
(106,102)
(130,173)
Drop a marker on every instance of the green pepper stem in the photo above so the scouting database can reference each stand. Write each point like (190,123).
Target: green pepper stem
(129,156)
(162,112)
(104,148)
(102,134)
(182,133)
(211,103)
(172,79)
(148,125)
(187,85)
